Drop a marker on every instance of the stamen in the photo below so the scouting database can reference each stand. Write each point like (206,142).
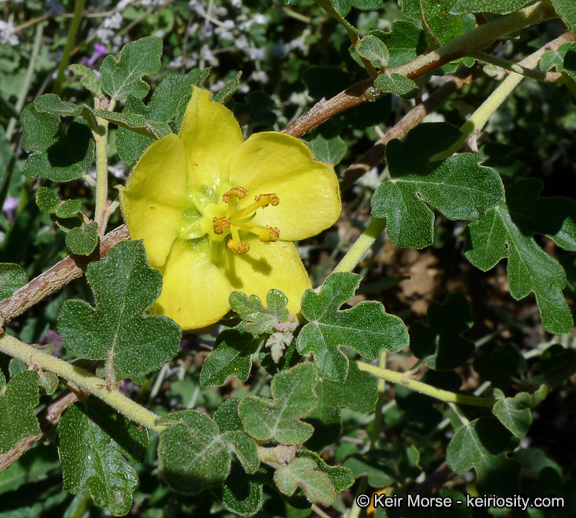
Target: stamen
(220,224)
(239,192)
(235,244)
(272,199)
(262,200)
(266,235)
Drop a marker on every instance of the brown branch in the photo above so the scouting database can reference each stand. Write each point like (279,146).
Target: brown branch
(62,273)
(48,418)
(376,154)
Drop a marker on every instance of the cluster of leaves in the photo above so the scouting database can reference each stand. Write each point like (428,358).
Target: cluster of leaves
(263,452)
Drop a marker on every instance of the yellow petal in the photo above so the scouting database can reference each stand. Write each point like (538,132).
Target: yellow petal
(155,196)
(211,136)
(194,292)
(267,266)
(309,194)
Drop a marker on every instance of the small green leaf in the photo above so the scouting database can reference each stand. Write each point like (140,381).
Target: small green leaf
(191,453)
(96,444)
(373,465)
(358,393)
(241,494)
(47,383)
(245,449)
(55,155)
(69,209)
(82,240)
(341,477)
(117,330)
(302,472)
(47,200)
(373,49)
(260,319)
(328,150)
(514,414)
(17,402)
(294,398)
(230,357)
(487,6)
(51,103)
(459,187)
(506,232)
(224,95)
(88,78)
(366,328)
(440,24)
(482,445)
(12,278)
(404,42)
(566,10)
(397,84)
(123,77)
(439,343)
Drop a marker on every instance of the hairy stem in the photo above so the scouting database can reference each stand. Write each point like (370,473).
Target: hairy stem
(84,379)
(361,245)
(400,378)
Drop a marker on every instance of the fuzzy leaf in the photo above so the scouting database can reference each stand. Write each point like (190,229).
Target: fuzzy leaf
(358,393)
(17,402)
(12,278)
(55,155)
(116,329)
(96,444)
(397,84)
(224,95)
(280,419)
(440,24)
(487,6)
(230,357)
(245,449)
(506,232)
(514,413)
(123,77)
(569,68)
(82,240)
(482,445)
(241,494)
(459,187)
(329,150)
(566,10)
(302,472)
(47,200)
(373,49)
(167,105)
(260,319)
(366,328)
(191,453)
(88,78)
(70,209)
(342,478)
(439,343)
(404,42)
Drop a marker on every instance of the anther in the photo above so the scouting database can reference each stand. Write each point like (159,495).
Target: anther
(220,224)
(242,248)
(239,192)
(272,199)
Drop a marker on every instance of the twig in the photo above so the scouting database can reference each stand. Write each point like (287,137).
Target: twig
(62,273)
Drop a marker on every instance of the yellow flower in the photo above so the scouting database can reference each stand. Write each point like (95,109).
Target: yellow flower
(217,214)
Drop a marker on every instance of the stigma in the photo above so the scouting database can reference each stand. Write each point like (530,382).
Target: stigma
(235,220)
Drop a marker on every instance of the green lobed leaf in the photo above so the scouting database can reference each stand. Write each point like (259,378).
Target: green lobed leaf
(506,232)
(440,343)
(82,240)
(260,319)
(337,11)
(56,155)
(441,24)
(241,494)
(71,209)
(566,10)
(366,328)
(245,449)
(459,187)
(47,383)
(554,58)
(230,357)
(280,419)
(302,472)
(123,76)
(116,329)
(514,413)
(12,278)
(374,465)
(88,79)
(191,453)
(341,477)
(97,446)
(47,200)
(359,393)
(482,445)
(404,42)
(328,150)
(17,401)
(397,84)
(227,416)
(167,105)
(224,95)
(373,49)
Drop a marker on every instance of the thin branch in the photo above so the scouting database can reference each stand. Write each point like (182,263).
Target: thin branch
(62,273)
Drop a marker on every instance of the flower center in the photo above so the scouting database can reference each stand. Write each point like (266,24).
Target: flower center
(235,220)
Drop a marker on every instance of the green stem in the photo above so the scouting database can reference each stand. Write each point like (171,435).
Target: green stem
(490,59)
(377,424)
(400,378)
(84,379)
(361,245)
(78,8)
(27,79)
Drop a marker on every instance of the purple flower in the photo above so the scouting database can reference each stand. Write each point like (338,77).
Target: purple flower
(99,50)
(9,206)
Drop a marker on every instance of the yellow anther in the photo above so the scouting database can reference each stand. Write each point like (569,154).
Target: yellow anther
(269,199)
(239,192)
(240,248)
(273,234)
(220,224)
